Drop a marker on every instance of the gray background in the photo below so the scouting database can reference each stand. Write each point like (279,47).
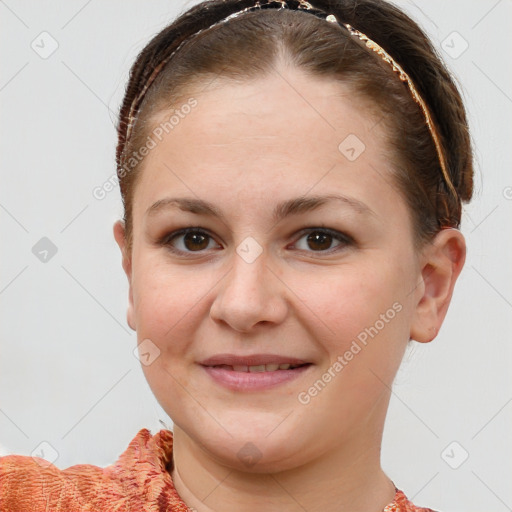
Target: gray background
(68,375)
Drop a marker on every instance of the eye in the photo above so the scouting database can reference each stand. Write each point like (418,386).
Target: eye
(189,240)
(197,240)
(322,239)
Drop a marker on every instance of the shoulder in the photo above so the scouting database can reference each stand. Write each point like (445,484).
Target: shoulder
(32,483)
(28,483)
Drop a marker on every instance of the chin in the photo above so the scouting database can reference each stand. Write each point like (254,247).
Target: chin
(259,456)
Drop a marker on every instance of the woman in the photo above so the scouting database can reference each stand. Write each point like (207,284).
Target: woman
(292,175)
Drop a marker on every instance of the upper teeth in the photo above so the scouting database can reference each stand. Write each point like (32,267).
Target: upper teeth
(259,368)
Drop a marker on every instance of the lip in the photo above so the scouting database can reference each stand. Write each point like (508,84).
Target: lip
(253,381)
(250,360)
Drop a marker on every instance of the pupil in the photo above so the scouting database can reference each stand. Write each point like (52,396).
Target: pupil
(321,240)
(195,241)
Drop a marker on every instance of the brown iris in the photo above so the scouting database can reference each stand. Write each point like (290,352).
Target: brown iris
(196,241)
(319,241)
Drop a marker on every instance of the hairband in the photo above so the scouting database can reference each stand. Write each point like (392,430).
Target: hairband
(305,6)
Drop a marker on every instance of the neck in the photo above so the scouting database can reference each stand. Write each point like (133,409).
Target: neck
(348,477)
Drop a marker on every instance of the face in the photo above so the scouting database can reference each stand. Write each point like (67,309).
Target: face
(300,246)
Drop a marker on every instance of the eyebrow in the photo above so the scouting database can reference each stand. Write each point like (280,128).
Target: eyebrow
(284,209)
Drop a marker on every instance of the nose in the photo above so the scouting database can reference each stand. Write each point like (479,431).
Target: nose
(250,294)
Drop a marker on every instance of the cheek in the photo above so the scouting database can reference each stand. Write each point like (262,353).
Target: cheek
(166,301)
(166,308)
(368,325)
(351,300)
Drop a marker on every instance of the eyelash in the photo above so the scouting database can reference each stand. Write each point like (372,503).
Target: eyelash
(344,239)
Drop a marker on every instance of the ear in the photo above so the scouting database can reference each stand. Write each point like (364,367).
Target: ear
(119,235)
(441,264)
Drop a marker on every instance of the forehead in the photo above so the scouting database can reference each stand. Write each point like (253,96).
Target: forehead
(282,135)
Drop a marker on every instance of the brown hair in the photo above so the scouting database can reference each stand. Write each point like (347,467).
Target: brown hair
(249,47)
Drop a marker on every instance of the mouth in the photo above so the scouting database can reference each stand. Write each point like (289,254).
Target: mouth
(257,372)
(259,368)
(272,362)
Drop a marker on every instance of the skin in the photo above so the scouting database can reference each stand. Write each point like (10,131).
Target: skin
(246,148)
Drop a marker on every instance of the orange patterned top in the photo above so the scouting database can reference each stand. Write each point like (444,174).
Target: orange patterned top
(140,480)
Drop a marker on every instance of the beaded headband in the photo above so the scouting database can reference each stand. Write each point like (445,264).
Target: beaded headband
(305,6)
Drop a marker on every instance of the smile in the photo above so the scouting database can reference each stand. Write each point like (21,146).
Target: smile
(260,367)
(255,378)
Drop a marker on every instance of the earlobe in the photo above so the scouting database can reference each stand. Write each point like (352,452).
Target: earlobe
(442,262)
(119,235)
